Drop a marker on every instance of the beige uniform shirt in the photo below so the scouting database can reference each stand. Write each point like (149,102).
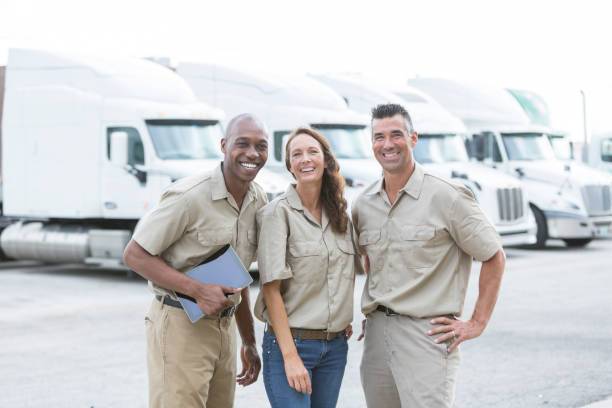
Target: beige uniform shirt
(421,248)
(316,265)
(195,217)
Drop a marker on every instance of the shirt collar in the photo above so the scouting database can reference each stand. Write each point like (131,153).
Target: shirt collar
(219,189)
(293,198)
(295,202)
(415,183)
(378,187)
(413,186)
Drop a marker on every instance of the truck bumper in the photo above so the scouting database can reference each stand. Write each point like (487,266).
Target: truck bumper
(518,234)
(563,225)
(602,226)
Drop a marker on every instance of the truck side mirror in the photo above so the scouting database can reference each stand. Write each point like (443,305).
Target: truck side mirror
(119,148)
(479,146)
(469,147)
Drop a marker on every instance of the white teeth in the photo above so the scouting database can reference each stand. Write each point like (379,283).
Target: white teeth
(307,169)
(248,165)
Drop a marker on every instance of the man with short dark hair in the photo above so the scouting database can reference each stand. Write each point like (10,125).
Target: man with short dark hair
(194,364)
(419,233)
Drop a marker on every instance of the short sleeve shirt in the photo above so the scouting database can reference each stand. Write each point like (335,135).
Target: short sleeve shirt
(196,217)
(421,247)
(315,264)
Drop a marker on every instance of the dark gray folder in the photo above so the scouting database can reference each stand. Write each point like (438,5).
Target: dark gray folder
(222,268)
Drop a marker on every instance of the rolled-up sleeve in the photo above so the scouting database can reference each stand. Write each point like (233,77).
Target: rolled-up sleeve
(163,226)
(471,229)
(272,245)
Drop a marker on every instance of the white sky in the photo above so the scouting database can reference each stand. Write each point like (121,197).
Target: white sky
(551,47)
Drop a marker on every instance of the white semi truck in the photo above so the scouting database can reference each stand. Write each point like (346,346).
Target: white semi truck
(88,146)
(598,152)
(569,202)
(284,103)
(441,149)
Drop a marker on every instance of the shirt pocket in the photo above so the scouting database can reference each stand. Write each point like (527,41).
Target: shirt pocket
(211,237)
(346,257)
(369,237)
(304,258)
(419,246)
(250,246)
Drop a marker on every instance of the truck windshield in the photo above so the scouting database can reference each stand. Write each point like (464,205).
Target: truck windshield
(347,141)
(606,150)
(527,146)
(561,147)
(440,149)
(186,139)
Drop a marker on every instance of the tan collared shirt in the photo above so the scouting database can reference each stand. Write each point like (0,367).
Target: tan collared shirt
(421,248)
(195,217)
(316,265)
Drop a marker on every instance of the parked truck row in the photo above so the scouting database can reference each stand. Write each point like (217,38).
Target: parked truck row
(89,144)
(569,201)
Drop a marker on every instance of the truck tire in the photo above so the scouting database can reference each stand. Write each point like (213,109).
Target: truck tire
(577,242)
(542,228)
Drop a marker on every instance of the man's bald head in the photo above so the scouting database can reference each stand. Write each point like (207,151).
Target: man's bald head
(244,120)
(245,147)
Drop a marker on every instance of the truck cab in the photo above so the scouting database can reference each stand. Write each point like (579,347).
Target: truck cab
(571,203)
(88,146)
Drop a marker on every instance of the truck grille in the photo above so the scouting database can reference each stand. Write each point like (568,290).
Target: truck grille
(510,203)
(597,199)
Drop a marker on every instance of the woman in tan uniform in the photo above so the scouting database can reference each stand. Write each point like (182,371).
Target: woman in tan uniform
(307,263)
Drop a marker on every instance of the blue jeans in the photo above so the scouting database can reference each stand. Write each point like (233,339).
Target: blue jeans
(325,361)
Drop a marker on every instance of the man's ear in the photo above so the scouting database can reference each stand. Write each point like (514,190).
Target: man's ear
(414,139)
(223,141)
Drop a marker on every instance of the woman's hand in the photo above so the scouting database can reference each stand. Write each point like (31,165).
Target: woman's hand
(297,375)
(348,332)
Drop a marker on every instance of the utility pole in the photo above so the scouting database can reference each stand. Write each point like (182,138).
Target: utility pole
(584,123)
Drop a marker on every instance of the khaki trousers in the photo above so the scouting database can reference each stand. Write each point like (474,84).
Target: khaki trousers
(189,364)
(403,367)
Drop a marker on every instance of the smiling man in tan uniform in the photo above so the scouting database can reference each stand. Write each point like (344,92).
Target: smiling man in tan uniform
(194,364)
(419,233)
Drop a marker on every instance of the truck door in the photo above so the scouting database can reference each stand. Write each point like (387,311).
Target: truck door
(125,191)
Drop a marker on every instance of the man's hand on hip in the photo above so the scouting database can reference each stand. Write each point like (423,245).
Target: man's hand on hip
(457,330)
(251,365)
(212,298)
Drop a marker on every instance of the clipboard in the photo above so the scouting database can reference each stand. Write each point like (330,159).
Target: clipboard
(224,267)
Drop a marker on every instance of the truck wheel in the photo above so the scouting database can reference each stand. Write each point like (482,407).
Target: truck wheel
(577,243)
(542,229)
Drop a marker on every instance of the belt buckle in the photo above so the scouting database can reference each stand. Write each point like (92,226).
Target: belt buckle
(390,312)
(228,312)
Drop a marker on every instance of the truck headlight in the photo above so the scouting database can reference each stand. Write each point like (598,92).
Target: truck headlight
(561,203)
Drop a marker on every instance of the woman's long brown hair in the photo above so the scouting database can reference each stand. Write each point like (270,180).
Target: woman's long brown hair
(332,188)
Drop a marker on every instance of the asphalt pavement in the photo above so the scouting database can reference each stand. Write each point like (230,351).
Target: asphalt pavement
(74,337)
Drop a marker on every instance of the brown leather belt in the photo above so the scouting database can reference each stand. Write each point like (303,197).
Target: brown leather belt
(388,311)
(167,300)
(308,334)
